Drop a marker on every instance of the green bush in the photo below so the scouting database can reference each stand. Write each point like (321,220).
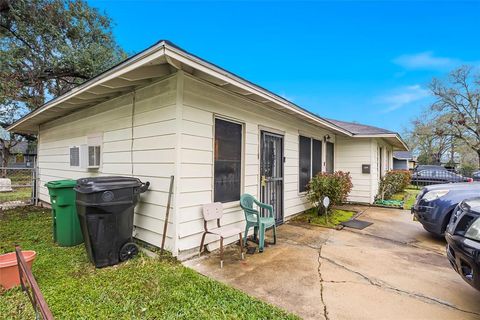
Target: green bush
(468,169)
(394,181)
(335,186)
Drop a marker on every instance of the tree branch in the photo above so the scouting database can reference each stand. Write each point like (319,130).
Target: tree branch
(18,37)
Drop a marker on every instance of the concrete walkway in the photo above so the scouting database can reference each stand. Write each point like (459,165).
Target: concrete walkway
(390,270)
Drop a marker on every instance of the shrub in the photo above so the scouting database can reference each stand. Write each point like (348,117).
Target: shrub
(394,181)
(468,169)
(335,186)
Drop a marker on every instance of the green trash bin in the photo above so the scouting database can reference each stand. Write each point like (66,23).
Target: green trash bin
(66,226)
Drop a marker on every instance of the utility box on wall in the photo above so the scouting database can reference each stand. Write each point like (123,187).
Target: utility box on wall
(365,168)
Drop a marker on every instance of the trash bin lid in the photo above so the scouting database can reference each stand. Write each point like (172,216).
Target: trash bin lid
(97,184)
(58,184)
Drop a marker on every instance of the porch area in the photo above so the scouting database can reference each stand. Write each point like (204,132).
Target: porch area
(390,270)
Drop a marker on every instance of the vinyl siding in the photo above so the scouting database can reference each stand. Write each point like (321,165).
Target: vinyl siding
(201,103)
(351,153)
(167,129)
(387,161)
(146,150)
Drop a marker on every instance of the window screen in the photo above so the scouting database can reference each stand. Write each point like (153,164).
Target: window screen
(380,161)
(316,157)
(330,157)
(93,156)
(74,156)
(304,163)
(228,161)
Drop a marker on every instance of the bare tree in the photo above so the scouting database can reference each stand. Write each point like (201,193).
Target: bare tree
(456,105)
(428,140)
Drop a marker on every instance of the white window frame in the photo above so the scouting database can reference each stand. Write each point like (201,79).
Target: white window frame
(243,159)
(79,161)
(322,167)
(94,142)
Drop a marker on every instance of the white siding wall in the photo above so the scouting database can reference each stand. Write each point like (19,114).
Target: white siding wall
(387,156)
(201,103)
(151,159)
(167,129)
(350,155)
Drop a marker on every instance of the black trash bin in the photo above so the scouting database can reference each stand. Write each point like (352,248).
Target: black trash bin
(105,207)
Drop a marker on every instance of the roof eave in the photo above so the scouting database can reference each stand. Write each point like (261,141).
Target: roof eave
(192,60)
(123,67)
(385,135)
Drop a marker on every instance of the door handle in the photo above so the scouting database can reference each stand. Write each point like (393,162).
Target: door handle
(264,181)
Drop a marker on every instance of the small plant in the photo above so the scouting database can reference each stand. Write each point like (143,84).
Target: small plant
(335,186)
(467,169)
(393,182)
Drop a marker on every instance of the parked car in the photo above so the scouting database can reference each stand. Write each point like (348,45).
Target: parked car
(434,176)
(435,204)
(463,241)
(421,167)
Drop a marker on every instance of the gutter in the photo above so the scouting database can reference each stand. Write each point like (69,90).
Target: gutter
(179,54)
(169,50)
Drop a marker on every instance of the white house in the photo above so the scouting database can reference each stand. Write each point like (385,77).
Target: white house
(167,112)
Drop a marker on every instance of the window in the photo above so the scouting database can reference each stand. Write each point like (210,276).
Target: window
(316,157)
(330,159)
(74,156)
(94,143)
(227,161)
(389,157)
(310,160)
(93,156)
(380,160)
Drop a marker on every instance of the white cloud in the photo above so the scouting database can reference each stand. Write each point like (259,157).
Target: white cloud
(401,97)
(426,61)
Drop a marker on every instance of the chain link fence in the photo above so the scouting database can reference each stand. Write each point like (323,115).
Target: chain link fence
(17,186)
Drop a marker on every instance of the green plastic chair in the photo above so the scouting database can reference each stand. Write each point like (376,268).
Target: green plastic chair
(254,219)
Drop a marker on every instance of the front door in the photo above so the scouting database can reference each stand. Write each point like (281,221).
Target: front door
(271,172)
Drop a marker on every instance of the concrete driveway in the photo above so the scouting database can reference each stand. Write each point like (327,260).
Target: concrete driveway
(392,269)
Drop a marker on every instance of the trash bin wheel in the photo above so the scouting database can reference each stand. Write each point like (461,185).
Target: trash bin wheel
(128,251)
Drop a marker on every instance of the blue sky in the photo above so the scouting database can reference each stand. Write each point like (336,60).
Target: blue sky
(369,62)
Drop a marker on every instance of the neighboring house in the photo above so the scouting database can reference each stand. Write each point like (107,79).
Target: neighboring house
(403,160)
(23,155)
(167,112)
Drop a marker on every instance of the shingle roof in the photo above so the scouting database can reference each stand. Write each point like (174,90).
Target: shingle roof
(357,128)
(402,155)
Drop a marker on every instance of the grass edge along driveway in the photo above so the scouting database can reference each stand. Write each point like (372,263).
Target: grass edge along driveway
(142,288)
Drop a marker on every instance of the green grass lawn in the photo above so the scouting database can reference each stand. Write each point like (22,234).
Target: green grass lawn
(407,196)
(21,194)
(142,288)
(335,217)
